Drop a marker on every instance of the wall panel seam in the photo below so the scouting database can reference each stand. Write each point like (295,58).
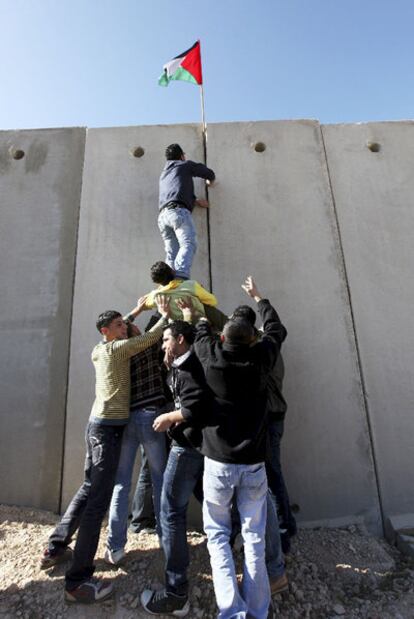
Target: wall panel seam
(355,334)
(63,451)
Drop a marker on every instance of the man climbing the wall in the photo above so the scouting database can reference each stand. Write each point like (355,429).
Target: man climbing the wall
(176,202)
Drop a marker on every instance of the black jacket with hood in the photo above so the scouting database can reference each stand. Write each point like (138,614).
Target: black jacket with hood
(238,376)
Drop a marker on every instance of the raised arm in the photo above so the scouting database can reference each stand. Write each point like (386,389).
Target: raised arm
(128,348)
(140,306)
(274,332)
(200,170)
(185,304)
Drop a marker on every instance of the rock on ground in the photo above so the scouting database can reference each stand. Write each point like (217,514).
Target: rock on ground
(333,573)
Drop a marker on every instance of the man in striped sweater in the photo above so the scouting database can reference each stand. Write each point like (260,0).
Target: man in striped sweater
(110,414)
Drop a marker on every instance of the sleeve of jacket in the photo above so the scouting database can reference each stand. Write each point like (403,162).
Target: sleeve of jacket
(124,349)
(204,341)
(206,297)
(274,333)
(202,171)
(193,396)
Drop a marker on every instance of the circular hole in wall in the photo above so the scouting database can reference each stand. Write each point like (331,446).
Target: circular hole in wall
(295,508)
(259,147)
(16,153)
(374,147)
(138,151)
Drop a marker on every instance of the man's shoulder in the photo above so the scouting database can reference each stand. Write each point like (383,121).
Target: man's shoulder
(192,366)
(101,348)
(186,284)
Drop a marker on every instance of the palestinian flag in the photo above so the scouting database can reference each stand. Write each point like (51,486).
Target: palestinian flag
(185,67)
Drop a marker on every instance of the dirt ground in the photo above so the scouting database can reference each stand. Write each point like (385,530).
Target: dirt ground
(332,573)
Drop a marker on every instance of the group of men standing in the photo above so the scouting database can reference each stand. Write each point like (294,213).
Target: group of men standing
(223,377)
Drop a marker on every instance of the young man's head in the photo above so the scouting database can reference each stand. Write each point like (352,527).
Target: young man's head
(174,152)
(246,313)
(112,326)
(238,332)
(161,273)
(177,338)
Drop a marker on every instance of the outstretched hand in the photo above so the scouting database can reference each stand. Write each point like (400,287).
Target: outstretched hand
(141,303)
(185,303)
(163,304)
(250,288)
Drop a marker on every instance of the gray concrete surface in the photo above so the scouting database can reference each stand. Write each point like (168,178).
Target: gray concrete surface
(40,196)
(118,242)
(374,200)
(272,216)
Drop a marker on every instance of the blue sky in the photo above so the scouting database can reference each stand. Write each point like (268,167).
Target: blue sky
(96,62)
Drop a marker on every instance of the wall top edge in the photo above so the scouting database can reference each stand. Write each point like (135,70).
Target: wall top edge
(306,121)
(36,130)
(365,123)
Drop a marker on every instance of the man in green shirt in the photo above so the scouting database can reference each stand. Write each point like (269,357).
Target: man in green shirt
(109,415)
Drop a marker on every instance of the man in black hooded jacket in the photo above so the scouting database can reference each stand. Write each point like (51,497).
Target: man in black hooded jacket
(234,445)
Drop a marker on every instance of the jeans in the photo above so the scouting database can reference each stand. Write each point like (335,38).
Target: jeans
(180,240)
(184,468)
(138,432)
(275,564)
(142,505)
(275,477)
(249,481)
(89,505)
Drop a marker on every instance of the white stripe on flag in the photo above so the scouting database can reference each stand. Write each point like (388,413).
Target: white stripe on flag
(172,66)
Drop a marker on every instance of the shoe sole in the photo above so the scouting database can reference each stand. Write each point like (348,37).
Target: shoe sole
(182,612)
(113,563)
(117,564)
(102,599)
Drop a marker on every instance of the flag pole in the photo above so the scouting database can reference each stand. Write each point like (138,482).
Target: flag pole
(203,116)
(204,134)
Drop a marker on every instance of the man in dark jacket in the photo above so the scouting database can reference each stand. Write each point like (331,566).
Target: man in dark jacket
(234,445)
(176,202)
(184,467)
(277,407)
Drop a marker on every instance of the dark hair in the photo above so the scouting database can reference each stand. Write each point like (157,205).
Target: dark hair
(105,319)
(246,313)
(173,152)
(161,273)
(238,332)
(180,327)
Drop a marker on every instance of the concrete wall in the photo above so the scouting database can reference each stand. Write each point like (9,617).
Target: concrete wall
(323,224)
(374,200)
(40,195)
(272,216)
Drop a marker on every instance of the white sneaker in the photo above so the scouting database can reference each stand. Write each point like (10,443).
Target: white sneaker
(114,557)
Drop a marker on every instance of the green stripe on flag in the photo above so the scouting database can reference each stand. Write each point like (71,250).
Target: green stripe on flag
(180,74)
(163,79)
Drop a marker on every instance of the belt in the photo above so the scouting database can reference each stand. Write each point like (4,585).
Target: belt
(172,204)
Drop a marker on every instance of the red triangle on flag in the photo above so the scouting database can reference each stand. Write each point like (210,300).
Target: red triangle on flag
(192,63)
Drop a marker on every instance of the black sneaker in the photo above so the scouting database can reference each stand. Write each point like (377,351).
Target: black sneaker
(51,558)
(90,591)
(163,603)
